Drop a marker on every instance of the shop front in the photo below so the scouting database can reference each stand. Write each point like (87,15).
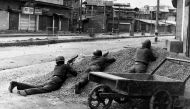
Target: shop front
(29,19)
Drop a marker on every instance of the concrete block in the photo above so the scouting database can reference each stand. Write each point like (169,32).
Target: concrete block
(174,46)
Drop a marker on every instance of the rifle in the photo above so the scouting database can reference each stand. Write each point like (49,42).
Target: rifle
(70,61)
(105,54)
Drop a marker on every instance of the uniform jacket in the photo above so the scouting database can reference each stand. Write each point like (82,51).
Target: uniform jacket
(63,70)
(101,61)
(144,55)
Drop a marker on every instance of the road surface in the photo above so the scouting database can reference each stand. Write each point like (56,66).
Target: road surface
(21,63)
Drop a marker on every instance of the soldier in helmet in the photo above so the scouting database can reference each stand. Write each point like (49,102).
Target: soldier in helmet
(143,56)
(60,74)
(98,63)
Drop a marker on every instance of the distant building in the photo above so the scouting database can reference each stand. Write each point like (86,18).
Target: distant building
(123,18)
(146,19)
(95,15)
(108,16)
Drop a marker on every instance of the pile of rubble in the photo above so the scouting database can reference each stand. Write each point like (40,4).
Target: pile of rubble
(124,60)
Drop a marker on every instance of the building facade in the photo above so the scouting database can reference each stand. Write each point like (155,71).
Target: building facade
(146,19)
(35,15)
(123,18)
(95,15)
(106,16)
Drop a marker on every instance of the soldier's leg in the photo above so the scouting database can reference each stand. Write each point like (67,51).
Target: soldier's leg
(20,86)
(37,90)
(81,84)
(84,80)
(23,86)
(12,86)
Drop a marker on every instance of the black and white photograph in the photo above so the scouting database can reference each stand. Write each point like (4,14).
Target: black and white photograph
(95,54)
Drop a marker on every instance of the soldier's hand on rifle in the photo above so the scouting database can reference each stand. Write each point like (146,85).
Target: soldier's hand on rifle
(105,54)
(71,61)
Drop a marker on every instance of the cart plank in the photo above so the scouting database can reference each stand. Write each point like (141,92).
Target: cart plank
(108,76)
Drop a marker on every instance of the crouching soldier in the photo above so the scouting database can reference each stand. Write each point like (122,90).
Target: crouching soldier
(60,74)
(143,56)
(98,63)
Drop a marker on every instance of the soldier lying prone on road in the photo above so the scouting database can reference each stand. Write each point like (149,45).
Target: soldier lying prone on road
(98,63)
(60,74)
(143,57)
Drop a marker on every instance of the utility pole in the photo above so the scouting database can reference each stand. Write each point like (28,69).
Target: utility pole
(157,24)
(80,16)
(113,22)
(104,16)
(118,20)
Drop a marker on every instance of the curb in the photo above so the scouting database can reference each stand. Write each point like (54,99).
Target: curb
(32,35)
(46,42)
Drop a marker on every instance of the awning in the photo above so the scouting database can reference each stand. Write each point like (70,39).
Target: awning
(48,13)
(152,21)
(14,10)
(41,3)
(169,22)
(123,23)
(61,15)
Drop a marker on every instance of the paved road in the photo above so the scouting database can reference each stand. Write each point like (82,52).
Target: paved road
(12,57)
(21,63)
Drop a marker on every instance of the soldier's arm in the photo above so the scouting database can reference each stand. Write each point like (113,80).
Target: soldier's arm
(152,56)
(72,71)
(110,60)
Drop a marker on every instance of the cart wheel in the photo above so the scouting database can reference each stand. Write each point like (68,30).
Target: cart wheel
(95,101)
(161,100)
(122,100)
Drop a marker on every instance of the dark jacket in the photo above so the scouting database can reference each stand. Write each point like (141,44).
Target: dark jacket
(144,55)
(63,70)
(101,61)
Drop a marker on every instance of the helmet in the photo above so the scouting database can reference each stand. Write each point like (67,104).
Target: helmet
(97,53)
(146,44)
(60,59)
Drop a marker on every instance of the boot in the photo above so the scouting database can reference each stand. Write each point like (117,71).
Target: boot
(22,92)
(12,86)
(77,90)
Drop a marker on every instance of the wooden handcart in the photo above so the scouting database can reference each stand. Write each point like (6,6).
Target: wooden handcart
(160,91)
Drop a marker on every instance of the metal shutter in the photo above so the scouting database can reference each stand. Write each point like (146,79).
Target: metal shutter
(24,22)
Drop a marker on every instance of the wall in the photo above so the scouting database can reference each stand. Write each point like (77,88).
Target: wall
(179,19)
(96,23)
(4,22)
(4,4)
(185,35)
(9,21)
